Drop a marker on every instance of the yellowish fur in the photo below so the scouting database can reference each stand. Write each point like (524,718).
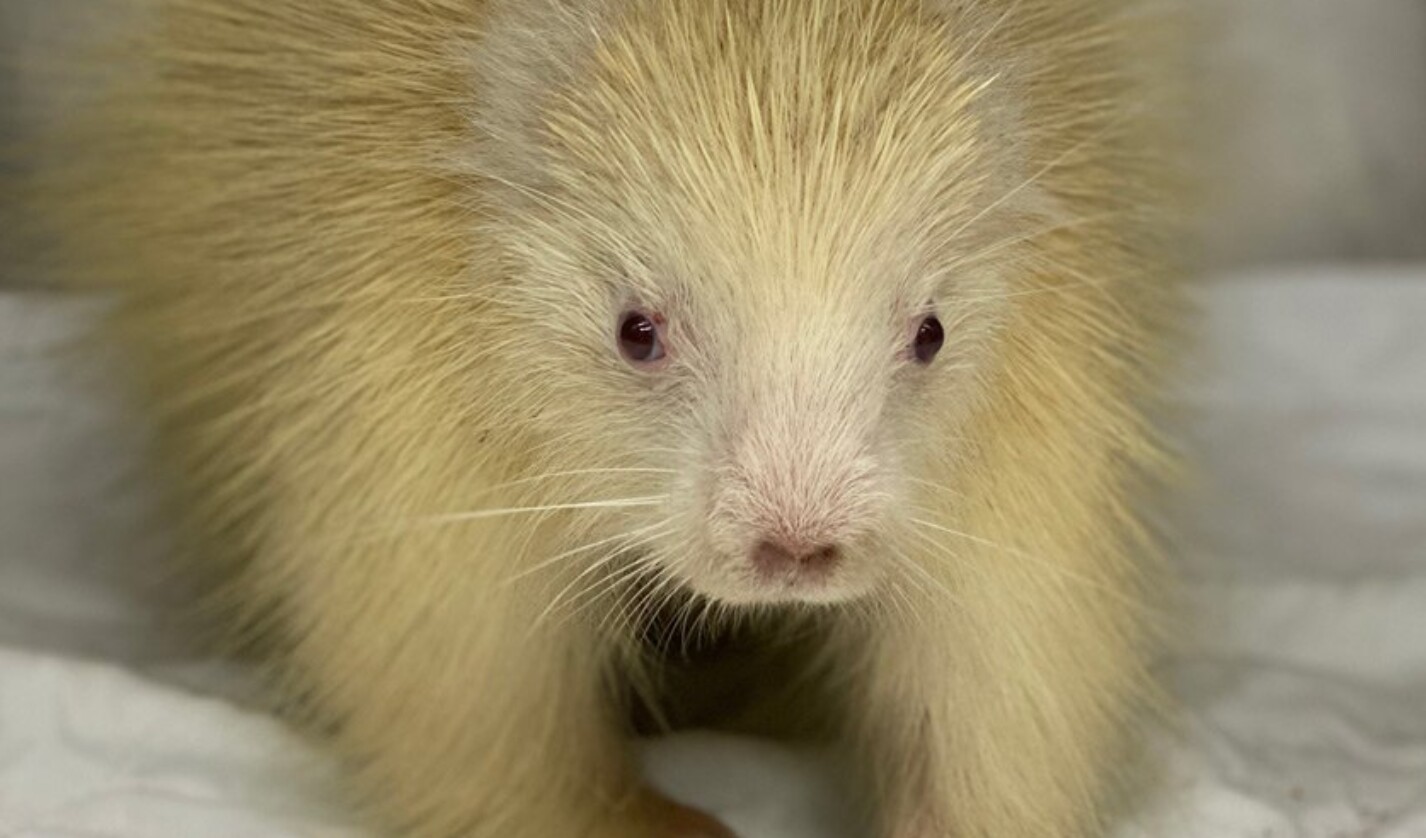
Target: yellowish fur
(370,256)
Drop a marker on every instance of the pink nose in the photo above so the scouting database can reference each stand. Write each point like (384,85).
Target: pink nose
(771,556)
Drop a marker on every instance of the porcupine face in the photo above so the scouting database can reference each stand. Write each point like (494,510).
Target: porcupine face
(746,252)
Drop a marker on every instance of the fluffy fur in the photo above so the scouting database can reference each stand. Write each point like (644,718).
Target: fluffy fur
(370,257)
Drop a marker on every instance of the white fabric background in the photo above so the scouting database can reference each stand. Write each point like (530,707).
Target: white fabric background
(1304,539)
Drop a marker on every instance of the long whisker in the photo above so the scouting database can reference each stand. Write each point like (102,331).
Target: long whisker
(559,600)
(400,528)
(481,514)
(647,600)
(638,567)
(576,472)
(1064,572)
(906,563)
(897,605)
(569,554)
(938,486)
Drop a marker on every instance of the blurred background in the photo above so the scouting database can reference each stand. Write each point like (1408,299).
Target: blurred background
(1303,532)
(1321,153)
(1322,146)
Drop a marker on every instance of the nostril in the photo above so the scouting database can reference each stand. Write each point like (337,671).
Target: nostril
(774,557)
(820,557)
(770,557)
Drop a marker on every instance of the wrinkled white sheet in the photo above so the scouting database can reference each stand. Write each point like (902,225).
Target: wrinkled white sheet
(1304,547)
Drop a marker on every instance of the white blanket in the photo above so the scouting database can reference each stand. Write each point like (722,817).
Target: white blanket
(1305,691)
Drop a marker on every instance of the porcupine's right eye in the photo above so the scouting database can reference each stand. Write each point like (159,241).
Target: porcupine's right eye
(641,339)
(930,336)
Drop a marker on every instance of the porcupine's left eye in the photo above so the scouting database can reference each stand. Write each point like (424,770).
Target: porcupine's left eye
(640,340)
(930,337)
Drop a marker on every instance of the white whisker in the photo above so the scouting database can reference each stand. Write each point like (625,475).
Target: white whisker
(1064,572)
(568,554)
(481,514)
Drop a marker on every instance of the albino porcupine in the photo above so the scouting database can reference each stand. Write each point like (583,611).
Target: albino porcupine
(501,350)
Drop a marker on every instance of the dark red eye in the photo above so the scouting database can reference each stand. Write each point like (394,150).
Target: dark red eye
(639,338)
(929,339)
